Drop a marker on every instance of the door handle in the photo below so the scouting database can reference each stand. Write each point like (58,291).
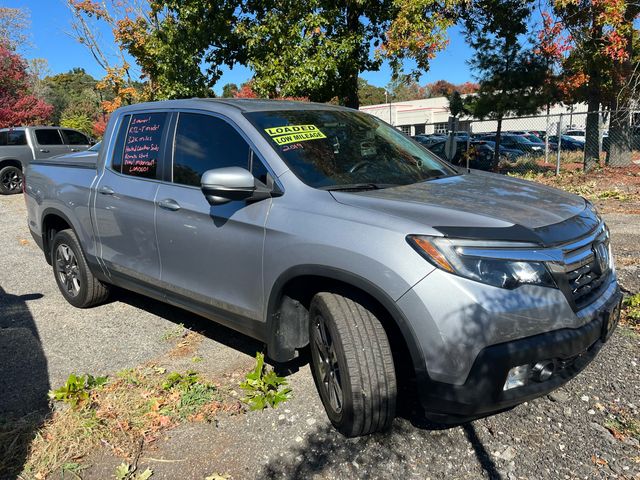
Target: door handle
(106,190)
(75,149)
(44,150)
(169,204)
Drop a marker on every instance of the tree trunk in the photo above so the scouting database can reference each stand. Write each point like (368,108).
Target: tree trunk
(592,143)
(349,98)
(620,141)
(619,151)
(349,71)
(496,153)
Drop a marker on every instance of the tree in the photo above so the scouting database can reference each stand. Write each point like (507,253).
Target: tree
(467,87)
(405,88)
(370,94)
(80,122)
(17,105)
(75,91)
(441,88)
(456,104)
(510,76)
(229,90)
(599,66)
(246,91)
(14,22)
(318,48)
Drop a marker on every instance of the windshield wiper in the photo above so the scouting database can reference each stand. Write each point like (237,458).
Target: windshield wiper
(352,187)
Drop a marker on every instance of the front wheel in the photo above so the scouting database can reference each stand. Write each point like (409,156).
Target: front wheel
(75,280)
(352,365)
(10,180)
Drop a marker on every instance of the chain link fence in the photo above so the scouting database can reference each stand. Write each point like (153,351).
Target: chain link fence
(541,143)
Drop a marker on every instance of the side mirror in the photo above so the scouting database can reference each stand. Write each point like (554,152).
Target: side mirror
(222,185)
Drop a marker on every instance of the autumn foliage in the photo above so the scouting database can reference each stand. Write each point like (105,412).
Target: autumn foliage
(17,105)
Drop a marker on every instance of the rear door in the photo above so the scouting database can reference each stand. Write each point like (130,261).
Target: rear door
(75,141)
(211,255)
(49,143)
(124,206)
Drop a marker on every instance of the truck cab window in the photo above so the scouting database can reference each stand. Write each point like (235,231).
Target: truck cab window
(75,138)
(16,137)
(48,136)
(137,150)
(204,142)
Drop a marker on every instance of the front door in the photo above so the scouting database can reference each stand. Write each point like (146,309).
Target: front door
(125,197)
(211,255)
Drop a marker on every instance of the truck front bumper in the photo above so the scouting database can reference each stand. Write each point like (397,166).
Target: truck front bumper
(570,351)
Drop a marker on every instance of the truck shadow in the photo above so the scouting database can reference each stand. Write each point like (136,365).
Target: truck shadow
(209,328)
(24,382)
(324,452)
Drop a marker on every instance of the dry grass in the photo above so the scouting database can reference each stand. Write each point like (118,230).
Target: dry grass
(187,345)
(16,435)
(622,423)
(125,415)
(624,261)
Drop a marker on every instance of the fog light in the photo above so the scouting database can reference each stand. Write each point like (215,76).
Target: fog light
(517,377)
(543,370)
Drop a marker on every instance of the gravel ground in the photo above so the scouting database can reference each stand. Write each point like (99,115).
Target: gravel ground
(562,436)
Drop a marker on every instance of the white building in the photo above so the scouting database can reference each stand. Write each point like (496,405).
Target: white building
(431,115)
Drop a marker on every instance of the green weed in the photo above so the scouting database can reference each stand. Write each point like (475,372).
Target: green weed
(124,471)
(75,392)
(263,387)
(175,332)
(632,307)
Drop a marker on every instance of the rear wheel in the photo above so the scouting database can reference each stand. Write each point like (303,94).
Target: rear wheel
(74,278)
(352,365)
(10,180)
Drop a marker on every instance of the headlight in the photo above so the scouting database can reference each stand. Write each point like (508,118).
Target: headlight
(474,260)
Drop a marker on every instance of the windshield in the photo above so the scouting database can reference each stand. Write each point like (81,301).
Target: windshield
(331,148)
(534,139)
(521,140)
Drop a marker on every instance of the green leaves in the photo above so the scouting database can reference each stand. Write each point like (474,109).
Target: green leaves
(263,387)
(124,471)
(76,389)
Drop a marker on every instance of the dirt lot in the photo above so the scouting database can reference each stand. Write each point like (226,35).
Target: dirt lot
(588,429)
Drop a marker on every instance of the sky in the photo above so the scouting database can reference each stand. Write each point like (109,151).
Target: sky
(51,39)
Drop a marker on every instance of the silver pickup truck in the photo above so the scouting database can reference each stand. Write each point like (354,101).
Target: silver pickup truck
(21,145)
(315,226)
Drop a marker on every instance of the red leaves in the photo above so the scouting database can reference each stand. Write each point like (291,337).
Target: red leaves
(17,105)
(246,91)
(99,126)
(552,43)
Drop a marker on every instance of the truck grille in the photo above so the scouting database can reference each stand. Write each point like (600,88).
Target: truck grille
(585,283)
(587,268)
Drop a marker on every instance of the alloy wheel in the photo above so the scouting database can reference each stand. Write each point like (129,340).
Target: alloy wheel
(67,269)
(327,368)
(12,180)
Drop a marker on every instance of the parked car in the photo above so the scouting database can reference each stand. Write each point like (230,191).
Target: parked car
(310,224)
(428,140)
(507,154)
(20,145)
(516,142)
(567,143)
(576,134)
(481,154)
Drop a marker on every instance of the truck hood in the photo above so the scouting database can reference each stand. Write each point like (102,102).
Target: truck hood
(484,206)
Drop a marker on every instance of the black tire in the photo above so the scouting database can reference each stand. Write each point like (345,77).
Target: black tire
(10,180)
(74,278)
(357,357)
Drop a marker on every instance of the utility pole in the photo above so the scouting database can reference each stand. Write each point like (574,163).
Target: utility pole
(387,99)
